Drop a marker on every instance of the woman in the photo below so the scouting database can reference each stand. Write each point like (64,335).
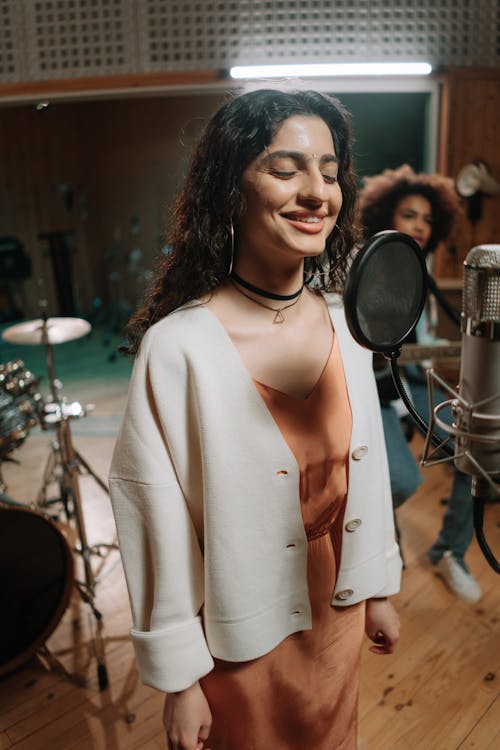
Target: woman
(249,481)
(425,207)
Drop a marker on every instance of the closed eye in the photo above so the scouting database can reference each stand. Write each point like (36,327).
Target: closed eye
(281,175)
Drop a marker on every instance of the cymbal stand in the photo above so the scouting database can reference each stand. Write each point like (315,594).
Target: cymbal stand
(64,467)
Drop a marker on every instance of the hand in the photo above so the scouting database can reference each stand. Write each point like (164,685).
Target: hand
(381,625)
(187,719)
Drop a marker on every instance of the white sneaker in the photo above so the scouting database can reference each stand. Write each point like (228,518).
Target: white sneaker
(463,584)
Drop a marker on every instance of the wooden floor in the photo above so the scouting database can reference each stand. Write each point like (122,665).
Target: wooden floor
(440,691)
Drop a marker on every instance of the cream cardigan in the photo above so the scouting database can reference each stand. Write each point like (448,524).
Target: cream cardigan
(205,493)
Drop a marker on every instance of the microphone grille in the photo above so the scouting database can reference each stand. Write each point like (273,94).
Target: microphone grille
(481,292)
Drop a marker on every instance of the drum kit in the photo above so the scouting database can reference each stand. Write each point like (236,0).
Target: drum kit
(42,570)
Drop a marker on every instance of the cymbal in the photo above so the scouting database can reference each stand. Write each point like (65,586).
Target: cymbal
(59,331)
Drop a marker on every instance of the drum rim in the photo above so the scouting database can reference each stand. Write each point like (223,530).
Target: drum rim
(44,635)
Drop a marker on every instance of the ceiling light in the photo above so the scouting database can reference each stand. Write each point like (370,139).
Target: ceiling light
(331,69)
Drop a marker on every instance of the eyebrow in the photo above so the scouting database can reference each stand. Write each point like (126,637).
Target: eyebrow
(298,156)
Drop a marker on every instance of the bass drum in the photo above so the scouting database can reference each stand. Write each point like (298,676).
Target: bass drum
(36,585)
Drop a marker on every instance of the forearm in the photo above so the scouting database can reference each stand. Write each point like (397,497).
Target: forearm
(165,583)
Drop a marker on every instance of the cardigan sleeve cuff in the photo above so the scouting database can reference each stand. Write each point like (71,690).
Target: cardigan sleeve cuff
(174,658)
(394,568)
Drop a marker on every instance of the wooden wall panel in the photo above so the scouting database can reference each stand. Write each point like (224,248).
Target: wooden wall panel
(39,157)
(472,117)
(135,154)
(119,163)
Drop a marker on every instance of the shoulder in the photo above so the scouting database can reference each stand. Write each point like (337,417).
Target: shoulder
(177,331)
(335,304)
(334,300)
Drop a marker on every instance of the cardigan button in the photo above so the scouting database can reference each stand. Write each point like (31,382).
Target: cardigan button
(360,452)
(353,524)
(343,595)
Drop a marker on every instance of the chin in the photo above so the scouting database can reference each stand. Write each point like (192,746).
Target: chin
(312,251)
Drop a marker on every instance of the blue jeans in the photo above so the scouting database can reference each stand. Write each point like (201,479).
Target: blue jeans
(457,529)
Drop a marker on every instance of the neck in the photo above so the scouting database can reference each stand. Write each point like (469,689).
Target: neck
(279,284)
(264,292)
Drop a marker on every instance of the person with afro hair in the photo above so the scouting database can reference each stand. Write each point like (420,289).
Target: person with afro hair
(425,207)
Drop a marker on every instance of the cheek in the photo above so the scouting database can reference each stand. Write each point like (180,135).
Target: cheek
(336,200)
(261,199)
(401,224)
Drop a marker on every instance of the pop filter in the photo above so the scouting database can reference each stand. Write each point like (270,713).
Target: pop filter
(385,291)
(384,296)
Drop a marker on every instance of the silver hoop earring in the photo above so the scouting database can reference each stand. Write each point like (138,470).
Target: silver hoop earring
(231,247)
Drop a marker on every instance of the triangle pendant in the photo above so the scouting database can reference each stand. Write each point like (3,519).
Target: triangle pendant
(278,318)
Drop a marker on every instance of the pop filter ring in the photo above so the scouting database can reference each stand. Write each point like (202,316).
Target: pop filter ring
(391,350)
(356,275)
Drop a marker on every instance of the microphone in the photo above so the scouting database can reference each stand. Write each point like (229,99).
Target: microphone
(384,296)
(477,410)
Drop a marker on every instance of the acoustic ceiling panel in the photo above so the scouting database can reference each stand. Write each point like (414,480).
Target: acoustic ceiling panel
(199,35)
(76,38)
(11,48)
(42,39)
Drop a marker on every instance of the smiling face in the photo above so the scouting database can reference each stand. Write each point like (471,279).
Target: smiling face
(292,194)
(413,215)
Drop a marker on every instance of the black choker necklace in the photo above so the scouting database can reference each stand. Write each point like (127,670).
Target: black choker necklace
(262,292)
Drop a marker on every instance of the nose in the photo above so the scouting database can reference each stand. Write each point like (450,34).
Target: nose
(313,186)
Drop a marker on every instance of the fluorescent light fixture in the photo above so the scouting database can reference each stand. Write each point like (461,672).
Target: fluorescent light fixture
(331,69)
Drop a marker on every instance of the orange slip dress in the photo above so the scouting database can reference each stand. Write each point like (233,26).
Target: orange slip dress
(304,693)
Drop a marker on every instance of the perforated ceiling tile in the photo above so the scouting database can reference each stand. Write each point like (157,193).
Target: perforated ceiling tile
(198,35)
(11,59)
(63,38)
(79,37)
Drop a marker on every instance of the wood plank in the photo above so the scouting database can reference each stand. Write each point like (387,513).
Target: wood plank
(129,83)
(486,733)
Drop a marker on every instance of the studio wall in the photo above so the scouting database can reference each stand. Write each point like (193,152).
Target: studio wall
(105,173)
(470,131)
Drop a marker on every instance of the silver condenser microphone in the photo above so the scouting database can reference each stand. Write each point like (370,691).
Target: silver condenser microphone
(477,410)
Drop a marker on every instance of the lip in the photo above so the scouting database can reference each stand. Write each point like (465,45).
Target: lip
(307,223)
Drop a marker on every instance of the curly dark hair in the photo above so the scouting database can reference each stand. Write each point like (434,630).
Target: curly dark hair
(381,194)
(212,199)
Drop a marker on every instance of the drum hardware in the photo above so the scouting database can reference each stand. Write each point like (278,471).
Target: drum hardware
(52,663)
(65,464)
(20,405)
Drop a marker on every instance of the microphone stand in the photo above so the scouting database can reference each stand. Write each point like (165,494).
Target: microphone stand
(484,489)
(481,494)
(421,424)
